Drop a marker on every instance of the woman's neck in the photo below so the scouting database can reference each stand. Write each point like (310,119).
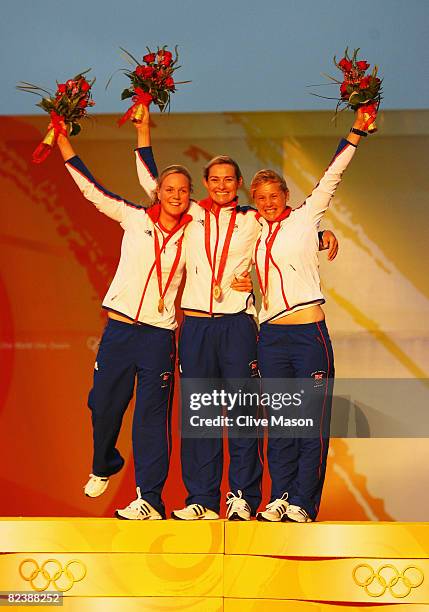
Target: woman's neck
(167,221)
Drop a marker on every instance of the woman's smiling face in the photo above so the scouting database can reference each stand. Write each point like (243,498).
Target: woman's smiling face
(174,194)
(270,200)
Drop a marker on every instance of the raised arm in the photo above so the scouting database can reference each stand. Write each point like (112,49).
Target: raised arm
(65,147)
(145,162)
(143,129)
(105,201)
(318,201)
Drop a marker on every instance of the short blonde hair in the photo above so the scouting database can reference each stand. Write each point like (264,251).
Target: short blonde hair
(267,176)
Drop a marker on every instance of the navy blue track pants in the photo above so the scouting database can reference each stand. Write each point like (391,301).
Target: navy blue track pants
(220,348)
(130,353)
(297,465)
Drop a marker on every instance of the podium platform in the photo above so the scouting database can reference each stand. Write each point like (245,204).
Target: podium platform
(108,564)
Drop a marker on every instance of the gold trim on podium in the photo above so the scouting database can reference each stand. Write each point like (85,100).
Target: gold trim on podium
(280,605)
(104,564)
(362,539)
(329,580)
(110,535)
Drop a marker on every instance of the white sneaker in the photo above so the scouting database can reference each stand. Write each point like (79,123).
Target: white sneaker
(194,512)
(139,510)
(96,485)
(297,514)
(238,508)
(276,511)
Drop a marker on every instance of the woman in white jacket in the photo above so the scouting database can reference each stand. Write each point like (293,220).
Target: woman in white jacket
(294,340)
(138,344)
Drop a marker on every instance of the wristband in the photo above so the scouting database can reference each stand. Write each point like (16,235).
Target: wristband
(359,132)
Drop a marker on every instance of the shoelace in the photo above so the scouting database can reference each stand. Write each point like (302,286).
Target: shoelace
(278,504)
(239,501)
(139,504)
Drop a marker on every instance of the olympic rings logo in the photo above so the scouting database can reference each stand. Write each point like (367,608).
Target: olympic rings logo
(51,572)
(388,578)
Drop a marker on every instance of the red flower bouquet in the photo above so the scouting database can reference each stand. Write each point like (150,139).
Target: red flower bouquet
(151,81)
(357,89)
(66,106)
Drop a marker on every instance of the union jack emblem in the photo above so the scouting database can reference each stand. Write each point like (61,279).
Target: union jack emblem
(165,377)
(318,377)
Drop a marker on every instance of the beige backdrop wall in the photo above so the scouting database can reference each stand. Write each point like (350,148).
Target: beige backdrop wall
(59,255)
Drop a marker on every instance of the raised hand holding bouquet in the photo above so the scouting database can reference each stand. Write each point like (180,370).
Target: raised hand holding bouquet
(66,107)
(151,81)
(358,89)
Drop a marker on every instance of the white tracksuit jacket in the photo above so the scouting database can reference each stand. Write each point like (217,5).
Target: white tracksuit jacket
(293,273)
(198,293)
(134,291)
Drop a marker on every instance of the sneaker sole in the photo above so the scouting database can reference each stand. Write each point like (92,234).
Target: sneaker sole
(126,518)
(291,520)
(283,519)
(236,517)
(261,518)
(95,496)
(196,518)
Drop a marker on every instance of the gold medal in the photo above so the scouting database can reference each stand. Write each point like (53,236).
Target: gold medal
(161,305)
(266,303)
(217,292)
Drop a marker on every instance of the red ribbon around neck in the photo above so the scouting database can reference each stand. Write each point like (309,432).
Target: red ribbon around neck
(158,250)
(217,278)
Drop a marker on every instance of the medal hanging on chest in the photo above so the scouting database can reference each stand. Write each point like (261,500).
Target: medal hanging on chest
(217,292)
(158,251)
(217,278)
